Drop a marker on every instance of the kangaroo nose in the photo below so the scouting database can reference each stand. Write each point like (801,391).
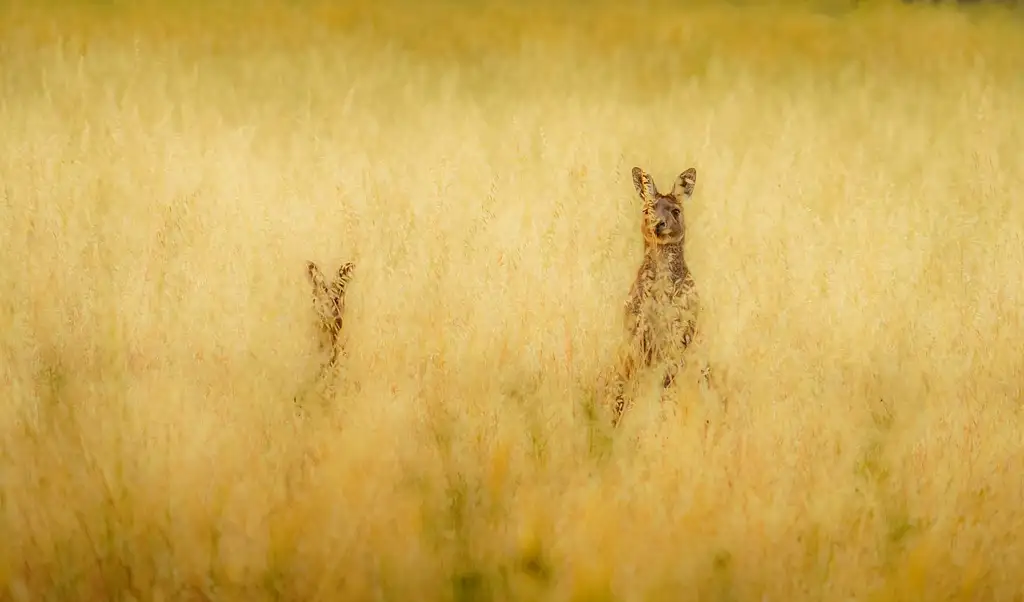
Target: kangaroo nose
(659,227)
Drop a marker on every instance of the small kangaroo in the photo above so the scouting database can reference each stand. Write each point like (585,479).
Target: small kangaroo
(662,308)
(329,304)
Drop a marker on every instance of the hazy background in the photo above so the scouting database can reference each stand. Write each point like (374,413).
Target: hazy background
(167,169)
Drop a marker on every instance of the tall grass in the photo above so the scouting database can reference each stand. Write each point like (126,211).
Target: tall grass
(855,234)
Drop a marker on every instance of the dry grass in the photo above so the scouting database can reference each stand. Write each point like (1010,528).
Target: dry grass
(166,171)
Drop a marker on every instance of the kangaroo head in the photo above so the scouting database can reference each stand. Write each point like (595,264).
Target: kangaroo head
(663,213)
(329,296)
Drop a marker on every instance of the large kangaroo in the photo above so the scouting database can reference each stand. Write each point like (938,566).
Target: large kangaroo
(662,308)
(329,304)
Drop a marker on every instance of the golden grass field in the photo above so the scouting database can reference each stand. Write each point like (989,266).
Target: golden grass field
(856,236)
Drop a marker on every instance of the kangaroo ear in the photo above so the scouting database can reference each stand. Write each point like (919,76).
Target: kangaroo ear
(683,187)
(344,273)
(315,276)
(644,184)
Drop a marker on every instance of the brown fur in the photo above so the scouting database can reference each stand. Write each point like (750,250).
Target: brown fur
(663,305)
(329,304)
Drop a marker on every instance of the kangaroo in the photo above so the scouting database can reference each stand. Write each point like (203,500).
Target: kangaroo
(329,304)
(662,308)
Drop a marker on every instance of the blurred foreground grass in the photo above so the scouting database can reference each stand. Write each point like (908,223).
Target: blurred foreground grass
(167,168)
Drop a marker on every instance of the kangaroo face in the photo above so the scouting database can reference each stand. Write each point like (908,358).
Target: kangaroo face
(663,213)
(664,221)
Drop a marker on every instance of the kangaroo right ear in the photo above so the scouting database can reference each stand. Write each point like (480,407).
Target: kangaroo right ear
(345,273)
(684,184)
(644,184)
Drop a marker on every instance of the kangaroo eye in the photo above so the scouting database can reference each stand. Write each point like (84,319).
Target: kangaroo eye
(675,212)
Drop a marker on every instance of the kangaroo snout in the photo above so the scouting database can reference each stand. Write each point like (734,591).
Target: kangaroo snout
(659,227)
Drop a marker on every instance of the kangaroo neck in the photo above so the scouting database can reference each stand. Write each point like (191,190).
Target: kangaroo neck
(669,255)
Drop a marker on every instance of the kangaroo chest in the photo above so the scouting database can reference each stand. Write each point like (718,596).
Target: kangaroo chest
(668,312)
(669,301)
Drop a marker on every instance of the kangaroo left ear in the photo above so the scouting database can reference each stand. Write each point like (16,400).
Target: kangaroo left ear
(684,184)
(644,184)
(316,277)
